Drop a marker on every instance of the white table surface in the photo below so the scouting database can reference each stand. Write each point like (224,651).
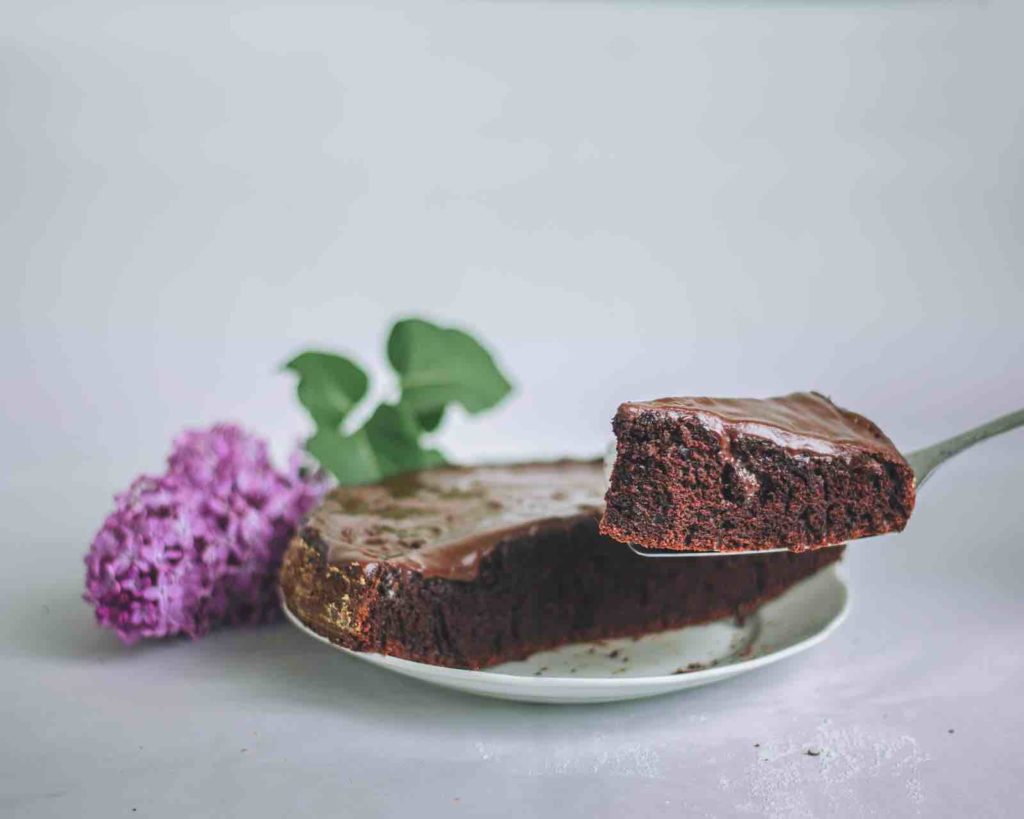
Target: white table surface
(915,705)
(626,199)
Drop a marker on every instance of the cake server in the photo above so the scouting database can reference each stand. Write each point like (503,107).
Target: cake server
(924,462)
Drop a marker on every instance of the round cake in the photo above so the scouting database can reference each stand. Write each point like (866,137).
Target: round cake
(473,566)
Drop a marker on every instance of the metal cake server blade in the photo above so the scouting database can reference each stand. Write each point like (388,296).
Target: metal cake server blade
(924,462)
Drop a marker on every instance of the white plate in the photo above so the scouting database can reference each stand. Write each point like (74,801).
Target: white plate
(625,669)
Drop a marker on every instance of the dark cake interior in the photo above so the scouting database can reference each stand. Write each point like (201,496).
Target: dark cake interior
(470,567)
(795,472)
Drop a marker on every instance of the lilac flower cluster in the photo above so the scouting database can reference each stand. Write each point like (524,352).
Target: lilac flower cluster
(201,544)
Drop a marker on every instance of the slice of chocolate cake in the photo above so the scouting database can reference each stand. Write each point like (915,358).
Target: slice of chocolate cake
(470,567)
(796,472)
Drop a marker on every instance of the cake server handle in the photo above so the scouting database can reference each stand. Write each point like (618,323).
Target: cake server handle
(925,461)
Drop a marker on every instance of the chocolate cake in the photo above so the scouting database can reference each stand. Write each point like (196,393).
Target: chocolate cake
(709,474)
(470,567)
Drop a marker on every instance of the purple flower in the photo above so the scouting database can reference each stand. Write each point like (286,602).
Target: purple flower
(200,545)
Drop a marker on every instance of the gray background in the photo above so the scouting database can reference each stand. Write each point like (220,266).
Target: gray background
(626,200)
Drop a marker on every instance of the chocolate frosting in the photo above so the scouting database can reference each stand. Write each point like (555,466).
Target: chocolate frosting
(801,421)
(442,522)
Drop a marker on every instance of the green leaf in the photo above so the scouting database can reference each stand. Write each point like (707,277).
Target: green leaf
(330,386)
(386,445)
(394,434)
(430,420)
(438,365)
(350,458)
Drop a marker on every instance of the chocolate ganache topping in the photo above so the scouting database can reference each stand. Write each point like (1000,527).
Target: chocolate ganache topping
(802,421)
(442,522)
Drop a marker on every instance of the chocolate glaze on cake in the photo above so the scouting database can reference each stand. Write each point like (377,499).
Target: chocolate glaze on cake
(469,567)
(711,474)
(441,522)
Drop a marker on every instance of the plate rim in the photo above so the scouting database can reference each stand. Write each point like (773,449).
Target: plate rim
(500,678)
